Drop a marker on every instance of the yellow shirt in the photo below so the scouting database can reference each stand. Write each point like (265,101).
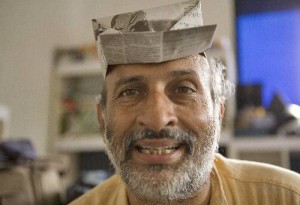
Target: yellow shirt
(234,182)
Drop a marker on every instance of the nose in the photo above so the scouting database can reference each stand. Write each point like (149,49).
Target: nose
(158,112)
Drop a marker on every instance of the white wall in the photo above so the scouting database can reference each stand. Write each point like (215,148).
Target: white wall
(29,32)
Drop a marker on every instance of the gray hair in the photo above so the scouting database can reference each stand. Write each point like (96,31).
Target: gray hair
(221,87)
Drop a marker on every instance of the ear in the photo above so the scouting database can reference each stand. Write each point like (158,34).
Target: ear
(100,115)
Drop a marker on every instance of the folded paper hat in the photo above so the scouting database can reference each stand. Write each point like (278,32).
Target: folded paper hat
(154,35)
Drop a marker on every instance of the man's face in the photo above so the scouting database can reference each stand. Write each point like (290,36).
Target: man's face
(162,127)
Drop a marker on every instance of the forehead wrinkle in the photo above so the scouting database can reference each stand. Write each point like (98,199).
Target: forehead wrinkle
(183,72)
(142,77)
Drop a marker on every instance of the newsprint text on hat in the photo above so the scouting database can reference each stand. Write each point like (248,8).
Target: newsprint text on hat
(154,35)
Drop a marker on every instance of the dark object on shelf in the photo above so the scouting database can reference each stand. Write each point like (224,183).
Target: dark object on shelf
(281,118)
(291,125)
(251,117)
(94,168)
(295,161)
(94,161)
(14,152)
(278,108)
(87,180)
(254,121)
(248,96)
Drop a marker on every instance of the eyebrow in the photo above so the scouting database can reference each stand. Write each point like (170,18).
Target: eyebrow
(139,78)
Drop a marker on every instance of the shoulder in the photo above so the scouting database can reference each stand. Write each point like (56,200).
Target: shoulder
(258,174)
(106,193)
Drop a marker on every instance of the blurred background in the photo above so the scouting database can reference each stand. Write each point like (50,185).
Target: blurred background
(49,77)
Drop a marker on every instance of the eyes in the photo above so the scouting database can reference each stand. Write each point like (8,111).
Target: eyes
(184,90)
(129,92)
(177,89)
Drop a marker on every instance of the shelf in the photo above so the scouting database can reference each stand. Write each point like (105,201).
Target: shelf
(79,69)
(80,144)
(266,143)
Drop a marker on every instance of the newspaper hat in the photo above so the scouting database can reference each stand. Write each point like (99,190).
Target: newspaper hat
(154,35)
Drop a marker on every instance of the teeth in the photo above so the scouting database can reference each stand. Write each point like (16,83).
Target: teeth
(157,151)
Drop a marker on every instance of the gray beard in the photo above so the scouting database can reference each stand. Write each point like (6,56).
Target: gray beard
(165,183)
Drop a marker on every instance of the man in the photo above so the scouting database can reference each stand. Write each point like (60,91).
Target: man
(161,123)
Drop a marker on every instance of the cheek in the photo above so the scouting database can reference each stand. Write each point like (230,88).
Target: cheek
(198,118)
(120,120)
(202,109)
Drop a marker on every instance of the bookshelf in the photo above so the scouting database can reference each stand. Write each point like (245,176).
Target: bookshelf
(76,80)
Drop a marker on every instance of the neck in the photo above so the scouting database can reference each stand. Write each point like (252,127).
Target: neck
(200,198)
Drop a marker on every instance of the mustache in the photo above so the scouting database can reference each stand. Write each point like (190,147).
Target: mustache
(184,137)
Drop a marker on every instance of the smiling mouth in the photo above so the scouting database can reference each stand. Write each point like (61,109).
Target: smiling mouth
(157,150)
